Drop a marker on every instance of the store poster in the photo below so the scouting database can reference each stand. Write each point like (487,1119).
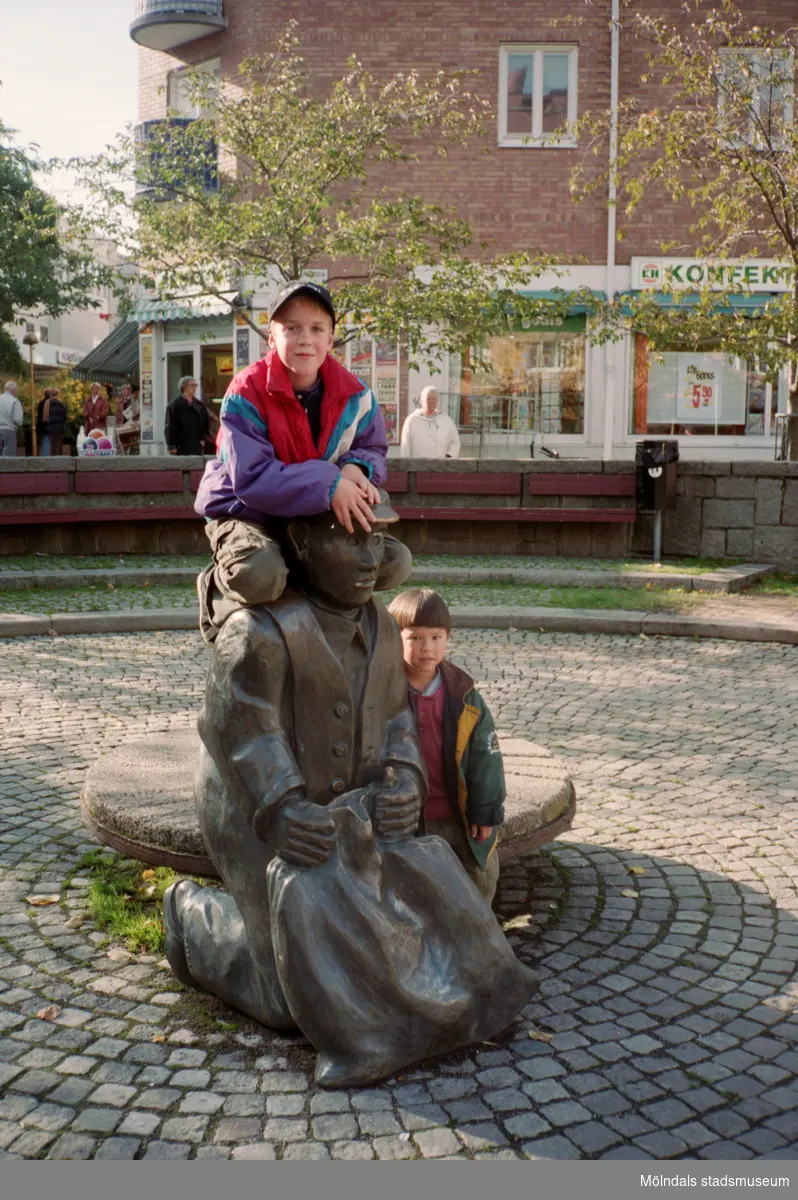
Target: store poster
(386,386)
(757,402)
(698,390)
(360,359)
(242,346)
(391,419)
(145,399)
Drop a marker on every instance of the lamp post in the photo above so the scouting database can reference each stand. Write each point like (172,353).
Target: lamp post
(30,340)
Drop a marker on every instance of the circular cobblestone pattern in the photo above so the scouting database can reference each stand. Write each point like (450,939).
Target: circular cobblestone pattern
(664,928)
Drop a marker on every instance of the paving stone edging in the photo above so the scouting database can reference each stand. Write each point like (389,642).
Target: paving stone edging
(725,579)
(543,620)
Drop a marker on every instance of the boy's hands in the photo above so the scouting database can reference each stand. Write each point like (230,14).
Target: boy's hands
(352,497)
(370,492)
(481,833)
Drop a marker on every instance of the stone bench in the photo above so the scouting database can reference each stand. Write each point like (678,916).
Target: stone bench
(139,800)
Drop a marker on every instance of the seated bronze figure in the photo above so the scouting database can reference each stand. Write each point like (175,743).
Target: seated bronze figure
(337,920)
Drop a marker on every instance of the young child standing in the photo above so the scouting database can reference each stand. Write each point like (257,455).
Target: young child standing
(465,805)
(299,435)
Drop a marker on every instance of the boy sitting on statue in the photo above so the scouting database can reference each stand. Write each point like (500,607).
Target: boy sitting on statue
(299,435)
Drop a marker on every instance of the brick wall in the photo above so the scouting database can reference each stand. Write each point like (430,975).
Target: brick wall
(517,198)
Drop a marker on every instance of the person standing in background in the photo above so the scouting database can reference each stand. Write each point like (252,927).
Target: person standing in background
(429,433)
(51,418)
(186,426)
(11,416)
(95,409)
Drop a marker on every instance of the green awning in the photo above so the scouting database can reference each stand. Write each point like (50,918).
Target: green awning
(748,302)
(115,360)
(561,293)
(185,308)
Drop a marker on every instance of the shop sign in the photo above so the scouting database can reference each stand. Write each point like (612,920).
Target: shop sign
(744,275)
(699,388)
(68,358)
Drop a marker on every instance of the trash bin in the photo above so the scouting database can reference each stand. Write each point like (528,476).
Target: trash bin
(656,462)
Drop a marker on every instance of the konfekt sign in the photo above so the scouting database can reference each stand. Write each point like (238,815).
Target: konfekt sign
(745,275)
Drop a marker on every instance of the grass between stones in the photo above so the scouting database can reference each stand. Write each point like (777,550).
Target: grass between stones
(95,597)
(780,583)
(125,898)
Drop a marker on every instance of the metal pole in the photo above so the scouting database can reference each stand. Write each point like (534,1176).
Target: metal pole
(610,383)
(30,340)
(657,536)
(32,403)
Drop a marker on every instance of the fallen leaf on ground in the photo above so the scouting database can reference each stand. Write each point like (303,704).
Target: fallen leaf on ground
(517,922)
(539,1035)
(41,901)
(636,871)
(49,1013)
(159,1037)
(75,922)
(630,893)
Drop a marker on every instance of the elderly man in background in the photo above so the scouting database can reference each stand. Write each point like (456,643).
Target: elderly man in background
(11,416)
(186,429)
(429,433)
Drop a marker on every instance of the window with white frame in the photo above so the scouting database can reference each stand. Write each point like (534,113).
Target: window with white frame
(182,101)
(755,95)
(537,95)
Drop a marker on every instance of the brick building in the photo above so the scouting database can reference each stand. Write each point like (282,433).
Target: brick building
(513,189)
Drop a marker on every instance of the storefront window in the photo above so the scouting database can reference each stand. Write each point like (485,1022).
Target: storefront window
(532,381)
(702,393)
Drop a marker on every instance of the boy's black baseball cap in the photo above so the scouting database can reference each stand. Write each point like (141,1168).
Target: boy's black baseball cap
(302,287)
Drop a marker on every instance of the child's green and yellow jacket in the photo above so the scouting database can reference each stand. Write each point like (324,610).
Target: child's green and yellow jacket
(472,761)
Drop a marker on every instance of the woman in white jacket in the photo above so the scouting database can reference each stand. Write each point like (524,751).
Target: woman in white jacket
(428,433)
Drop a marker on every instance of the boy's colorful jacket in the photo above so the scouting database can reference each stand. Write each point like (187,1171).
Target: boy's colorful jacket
(267,462)
(472,761)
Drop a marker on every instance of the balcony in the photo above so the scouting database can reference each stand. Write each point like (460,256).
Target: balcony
(171,160)
(165,24)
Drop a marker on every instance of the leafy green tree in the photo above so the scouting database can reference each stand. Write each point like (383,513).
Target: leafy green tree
(40,266)
(725,141)
(272,179)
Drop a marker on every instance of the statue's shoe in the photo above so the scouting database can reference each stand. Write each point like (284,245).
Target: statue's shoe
(175,946)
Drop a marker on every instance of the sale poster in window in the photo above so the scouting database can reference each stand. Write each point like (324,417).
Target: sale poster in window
(360,358)
(389,415)
(698,391)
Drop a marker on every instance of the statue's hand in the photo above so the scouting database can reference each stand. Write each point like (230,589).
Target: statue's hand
(397,804)
(304,834)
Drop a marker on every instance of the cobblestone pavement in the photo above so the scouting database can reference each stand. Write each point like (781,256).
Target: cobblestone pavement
(664,927)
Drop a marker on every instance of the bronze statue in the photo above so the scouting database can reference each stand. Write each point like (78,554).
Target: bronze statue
(338,920)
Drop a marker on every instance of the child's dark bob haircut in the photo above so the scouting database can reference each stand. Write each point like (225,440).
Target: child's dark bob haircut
(420,606)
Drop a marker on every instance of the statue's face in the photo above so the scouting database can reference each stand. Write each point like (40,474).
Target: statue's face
(340,567)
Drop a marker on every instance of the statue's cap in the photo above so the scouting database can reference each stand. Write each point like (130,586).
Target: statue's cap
(383,511)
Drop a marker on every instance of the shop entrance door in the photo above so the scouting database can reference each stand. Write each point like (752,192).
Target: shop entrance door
(178,364)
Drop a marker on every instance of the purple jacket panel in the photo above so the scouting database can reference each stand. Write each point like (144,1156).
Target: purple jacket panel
(253,480)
